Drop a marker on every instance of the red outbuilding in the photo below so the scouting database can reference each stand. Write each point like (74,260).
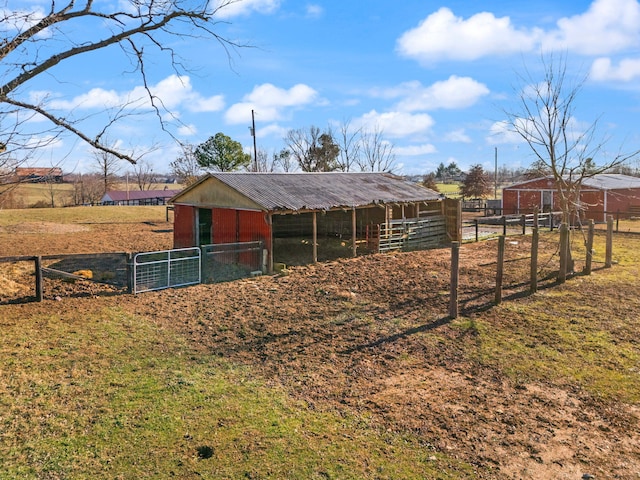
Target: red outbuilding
(227,208)
(600,195)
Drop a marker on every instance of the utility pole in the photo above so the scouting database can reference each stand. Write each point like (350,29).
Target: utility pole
(253,133)
(495,176)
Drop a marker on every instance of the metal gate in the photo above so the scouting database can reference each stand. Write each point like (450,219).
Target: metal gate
(166,269)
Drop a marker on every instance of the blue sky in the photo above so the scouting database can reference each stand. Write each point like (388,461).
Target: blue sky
(434,77)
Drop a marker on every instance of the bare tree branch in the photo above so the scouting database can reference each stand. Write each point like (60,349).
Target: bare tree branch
(33,43)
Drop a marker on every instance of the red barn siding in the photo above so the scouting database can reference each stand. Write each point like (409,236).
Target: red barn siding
(183,226)
(523,197)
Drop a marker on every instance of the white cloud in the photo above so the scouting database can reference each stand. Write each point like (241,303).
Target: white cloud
(269,103)
(442,35)
(502,132)
(272,130)
(396,124)
(457,136)
(603,70)
(187,130)
(453,93)
(314,10)
(607,26)
(415,150)
(234,8)
(174,92)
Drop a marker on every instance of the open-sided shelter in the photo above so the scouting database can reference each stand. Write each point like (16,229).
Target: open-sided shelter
(247,207)
(137,197)
(600,195)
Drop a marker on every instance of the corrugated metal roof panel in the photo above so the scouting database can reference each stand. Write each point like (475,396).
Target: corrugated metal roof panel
(602,181)
(123,195)
(323,191)
(612,181)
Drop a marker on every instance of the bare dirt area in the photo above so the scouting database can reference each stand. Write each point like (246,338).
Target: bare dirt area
(372,336)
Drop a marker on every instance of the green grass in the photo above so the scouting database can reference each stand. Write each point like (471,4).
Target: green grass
(451,190)
(30,194)
(583,334)
(112,396)
(108,214)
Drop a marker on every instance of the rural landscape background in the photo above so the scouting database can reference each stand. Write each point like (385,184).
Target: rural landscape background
(344,369)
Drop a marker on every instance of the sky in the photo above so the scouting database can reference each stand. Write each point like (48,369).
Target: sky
(436,78)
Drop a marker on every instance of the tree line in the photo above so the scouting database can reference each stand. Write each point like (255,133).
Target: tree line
(309,149)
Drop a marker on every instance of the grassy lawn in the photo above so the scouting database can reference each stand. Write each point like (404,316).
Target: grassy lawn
(92,388)
(112,396)
(79,215)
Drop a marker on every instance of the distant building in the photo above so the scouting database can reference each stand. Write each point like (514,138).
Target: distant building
(600,195)
(39,174)
(138,197)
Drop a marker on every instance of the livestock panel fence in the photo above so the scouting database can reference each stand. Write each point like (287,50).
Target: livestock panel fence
(413,234)
(166,269)
(137,273)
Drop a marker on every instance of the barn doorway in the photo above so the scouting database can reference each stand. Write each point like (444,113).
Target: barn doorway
(204,226)
(547,201)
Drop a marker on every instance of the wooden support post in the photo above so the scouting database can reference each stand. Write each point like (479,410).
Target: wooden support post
(39,287)
(455,268)
(564,252)
(475,221)
(535,239)
(499,270)
(270,260)
(354,230)
(589,258)
(523,219)
(130,279)
(314,240)
(609,249)
(504,225)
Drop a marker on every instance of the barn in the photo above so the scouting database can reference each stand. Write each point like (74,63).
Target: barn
(356,208)
(601,195)
(137,197)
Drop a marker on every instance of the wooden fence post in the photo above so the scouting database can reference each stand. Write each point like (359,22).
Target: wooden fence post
(564,253)
(523,218)
(130,280)
(504,225)
(39,288)
(589,258)
(475,222)
(499,270)
(455,264)
(609,248)
(314,224)
(535,238)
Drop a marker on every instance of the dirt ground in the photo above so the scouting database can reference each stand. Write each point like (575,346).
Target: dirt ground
(357,335)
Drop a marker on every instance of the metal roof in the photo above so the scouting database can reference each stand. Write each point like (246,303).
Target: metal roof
(612,181)
(320,191)
(601,181)
(123,195)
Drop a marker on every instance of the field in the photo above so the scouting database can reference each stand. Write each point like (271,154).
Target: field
(348,369)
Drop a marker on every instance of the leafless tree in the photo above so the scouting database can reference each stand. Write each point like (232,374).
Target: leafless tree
(314,149)
(33,42)
(545,119)
(87,189)
(108,166)
(349,141)
(186,167)
(143,175)
(377,153)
